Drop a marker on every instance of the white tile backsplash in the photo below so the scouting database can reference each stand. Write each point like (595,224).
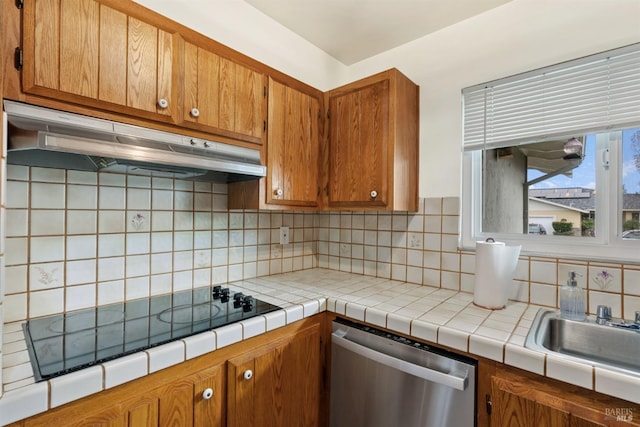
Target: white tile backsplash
(82,177)
(46,276)
(80,296)
(46,249)
(82,197)
(130,237)
(81,247)
(111,221)
(47,175)
(43,303)
(47,196)
(17,195)
(80,221)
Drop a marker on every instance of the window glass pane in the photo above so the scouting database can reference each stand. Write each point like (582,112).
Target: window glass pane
(542,188)
(630,178)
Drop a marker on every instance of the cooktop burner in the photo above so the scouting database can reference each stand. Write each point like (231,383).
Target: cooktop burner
(67,342)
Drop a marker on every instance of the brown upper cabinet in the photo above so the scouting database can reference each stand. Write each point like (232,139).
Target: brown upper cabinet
(105,55)
(223,96)
(124,62)
(85,52)
(373,144)
(292,153)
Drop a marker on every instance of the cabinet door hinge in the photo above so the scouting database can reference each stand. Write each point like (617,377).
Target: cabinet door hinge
(264,91)
(19,4)
(488,404)
(264,125)
(329,114)
(17,58)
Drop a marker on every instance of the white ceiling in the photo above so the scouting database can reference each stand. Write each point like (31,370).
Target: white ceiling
(353,30)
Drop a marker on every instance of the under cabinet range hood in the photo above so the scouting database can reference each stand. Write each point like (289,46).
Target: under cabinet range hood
(49,138)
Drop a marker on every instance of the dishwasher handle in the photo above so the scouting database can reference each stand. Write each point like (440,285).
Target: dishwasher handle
(448,380)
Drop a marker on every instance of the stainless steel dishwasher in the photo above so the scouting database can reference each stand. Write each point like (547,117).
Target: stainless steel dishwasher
(383,380)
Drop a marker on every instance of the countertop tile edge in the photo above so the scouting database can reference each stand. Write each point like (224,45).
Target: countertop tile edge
(513,353)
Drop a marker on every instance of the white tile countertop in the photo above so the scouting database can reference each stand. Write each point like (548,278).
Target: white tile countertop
(441,316)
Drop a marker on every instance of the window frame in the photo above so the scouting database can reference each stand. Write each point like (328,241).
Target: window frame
(597,94)
(607,245)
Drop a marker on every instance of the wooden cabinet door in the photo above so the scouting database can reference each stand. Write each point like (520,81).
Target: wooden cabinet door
(283,386)
(143,411)
(359,146)
(373,147)
(528,400)
(176,404)
(85,52)
(514,410)
(222,96)
(209,411)
(293,146)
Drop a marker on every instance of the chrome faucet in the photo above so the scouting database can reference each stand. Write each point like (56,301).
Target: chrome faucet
(603,314)
(637,320)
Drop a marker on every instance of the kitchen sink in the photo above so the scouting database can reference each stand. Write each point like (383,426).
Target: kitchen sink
(614,344)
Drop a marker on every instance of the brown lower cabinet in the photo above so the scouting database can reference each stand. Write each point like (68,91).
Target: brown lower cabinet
(523,399)
(285,388)
(276,385)
(281,378)
(178,402)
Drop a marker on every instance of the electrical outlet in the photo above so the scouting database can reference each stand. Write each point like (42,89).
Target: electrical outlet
(284,235)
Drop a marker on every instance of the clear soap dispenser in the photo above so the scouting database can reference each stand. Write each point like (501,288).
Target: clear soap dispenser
(572,299)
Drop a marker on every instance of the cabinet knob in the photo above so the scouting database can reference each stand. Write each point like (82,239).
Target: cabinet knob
(207,394)
(195,112)
(248,374)
(278,192)
(374,194)
(163,103)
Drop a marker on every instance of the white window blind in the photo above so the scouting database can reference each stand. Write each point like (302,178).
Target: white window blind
(595,93)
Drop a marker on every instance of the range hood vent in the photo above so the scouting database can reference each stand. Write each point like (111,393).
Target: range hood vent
(49,138)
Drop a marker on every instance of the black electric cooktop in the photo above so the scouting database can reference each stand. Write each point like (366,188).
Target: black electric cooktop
(67,342)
